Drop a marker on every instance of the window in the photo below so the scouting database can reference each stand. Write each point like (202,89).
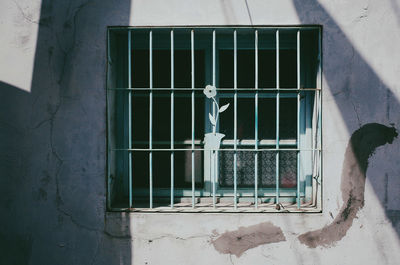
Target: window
(158,115)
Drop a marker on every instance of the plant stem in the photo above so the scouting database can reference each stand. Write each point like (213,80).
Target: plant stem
(216,119)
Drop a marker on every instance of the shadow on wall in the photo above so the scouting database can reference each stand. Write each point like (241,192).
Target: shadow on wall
(363,84)
(53,141)
(52,165)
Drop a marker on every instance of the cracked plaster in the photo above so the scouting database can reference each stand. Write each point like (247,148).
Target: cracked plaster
(54,137)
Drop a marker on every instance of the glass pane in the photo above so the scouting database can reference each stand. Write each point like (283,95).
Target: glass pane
(226,69)
(226,118)
(288,68)
(140,119)
(288,169)
(266,169)
(182,68)
(140,64)
(224,53)
(162,118)
(183,116)
(182,58)
(183,169)
(266,59)
(161,58)
(309,50)
(288,59)
(183,62)
(288,118)
(267,118)
(161,68)
(245,118)
(162,169)
(199,69)
(140,68)
(118,68)
(245,169)
(140,169)
(203,57)
(245,68)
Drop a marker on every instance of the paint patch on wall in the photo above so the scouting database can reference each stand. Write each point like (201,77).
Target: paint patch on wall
(361,146)
(238,241)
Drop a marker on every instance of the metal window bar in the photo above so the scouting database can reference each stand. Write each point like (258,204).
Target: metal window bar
(235,119)
(277,120)
(316,129)
(130,118)
(202,149)
(193,102)
(213,155)
(218,89)
(319,92)
(320,140)
(256,120)
(172,118)
(151,117)
(316,144)
(315,152)
(315,139)
(108,127)
(298,118)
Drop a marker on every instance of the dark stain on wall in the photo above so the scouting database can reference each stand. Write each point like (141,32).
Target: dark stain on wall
(238,241)
(362,145)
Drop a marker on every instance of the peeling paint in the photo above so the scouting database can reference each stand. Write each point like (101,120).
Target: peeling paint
(361,146)
(238,241)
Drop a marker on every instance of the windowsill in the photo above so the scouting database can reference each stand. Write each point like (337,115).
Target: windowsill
(222,207)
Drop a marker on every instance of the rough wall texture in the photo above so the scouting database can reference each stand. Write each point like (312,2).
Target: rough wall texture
(52,131)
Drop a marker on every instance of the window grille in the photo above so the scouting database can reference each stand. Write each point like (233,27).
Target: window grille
(157,116)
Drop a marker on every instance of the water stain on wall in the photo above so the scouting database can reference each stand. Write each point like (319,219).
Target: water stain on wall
(361,146)
(238,241)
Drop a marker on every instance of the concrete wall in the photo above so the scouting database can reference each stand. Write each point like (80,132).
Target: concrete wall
(53,136)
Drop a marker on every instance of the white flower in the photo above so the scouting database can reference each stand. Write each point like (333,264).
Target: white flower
(210,91)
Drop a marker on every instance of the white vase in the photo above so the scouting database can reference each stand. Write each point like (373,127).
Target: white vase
(212,141)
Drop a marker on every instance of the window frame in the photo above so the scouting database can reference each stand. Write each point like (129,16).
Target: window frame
(241,191)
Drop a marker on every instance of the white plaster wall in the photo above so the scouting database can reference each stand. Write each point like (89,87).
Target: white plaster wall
(52,131)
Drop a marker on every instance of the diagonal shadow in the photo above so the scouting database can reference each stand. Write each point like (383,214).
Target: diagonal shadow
(51,163)
(350,77)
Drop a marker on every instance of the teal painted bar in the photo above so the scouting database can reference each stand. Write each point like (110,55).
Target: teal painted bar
(277,121)
(298,119)
(130,118)
(151,118)
(172,118)
(193,112)
(235,118)
(235,145)
(256,120)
